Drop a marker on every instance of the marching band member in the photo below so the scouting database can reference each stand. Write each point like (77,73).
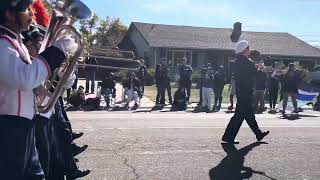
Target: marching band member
(244,81)
(18,77)
(48,139)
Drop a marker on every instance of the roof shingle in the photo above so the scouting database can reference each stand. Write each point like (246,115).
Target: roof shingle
(188,37)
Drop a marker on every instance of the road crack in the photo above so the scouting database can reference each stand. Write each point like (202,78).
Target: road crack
(125,159)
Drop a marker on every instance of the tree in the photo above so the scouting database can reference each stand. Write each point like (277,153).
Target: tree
(110,32)
(88,28)
(48,6)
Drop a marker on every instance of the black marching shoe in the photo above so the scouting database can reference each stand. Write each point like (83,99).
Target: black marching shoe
(76,135)
(225,141)
(262,135)
(77,174)
(79,150)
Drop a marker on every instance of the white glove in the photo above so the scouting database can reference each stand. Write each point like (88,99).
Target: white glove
(66,44)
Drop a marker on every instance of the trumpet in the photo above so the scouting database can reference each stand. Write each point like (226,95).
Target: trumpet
(65,13)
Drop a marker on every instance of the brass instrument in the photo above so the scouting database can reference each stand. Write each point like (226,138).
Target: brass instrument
(112,59)
(65,13)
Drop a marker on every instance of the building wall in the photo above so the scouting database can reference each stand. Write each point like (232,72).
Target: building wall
(141,46)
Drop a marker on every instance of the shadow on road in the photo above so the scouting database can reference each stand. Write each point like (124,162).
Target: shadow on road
(231,167)
(293,117)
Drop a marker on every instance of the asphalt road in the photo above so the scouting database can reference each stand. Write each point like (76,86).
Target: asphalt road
(185,145)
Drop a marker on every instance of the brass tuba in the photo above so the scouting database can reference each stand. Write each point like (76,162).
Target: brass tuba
(65,13)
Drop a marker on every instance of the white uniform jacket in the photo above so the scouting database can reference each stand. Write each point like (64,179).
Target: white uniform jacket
(18,76)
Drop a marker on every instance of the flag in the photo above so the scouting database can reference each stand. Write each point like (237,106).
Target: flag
(306,94)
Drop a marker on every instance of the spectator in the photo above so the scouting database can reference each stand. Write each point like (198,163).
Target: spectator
(179,101)
(207,90)
(202,76)
(132,88)
(158,83)
(219,82)
(141,74)
(185,76)
(164,82)
(260,87)
(90,74)
(108,87)
(232,90)
(78,98)
(290,82)
(273,90)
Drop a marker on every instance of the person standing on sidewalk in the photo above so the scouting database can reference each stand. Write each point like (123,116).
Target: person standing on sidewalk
(290,81)
(244,80)
(90,74)
(164,82)
(260,88)
(219,82)
(141,74)
(185,76)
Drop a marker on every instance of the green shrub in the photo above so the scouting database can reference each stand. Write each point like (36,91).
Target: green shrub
(195,78)
(149,79)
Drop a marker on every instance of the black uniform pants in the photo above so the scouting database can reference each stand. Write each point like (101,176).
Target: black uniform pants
(186,83)
(244,111)
(218,96)
(43,144)
(142,85)
(165,85)
(273,96)
(158,93)
(19,158)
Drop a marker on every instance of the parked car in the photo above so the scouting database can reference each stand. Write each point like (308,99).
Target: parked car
(314,75)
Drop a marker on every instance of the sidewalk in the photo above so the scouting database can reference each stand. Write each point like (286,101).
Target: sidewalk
(146,102)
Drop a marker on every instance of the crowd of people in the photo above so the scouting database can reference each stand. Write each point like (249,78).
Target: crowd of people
(269,83)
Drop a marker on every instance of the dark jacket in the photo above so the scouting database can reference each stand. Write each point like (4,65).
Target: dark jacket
(219,79)
(261,78)
(135,84)
(91,61)
(180,98)
(244,73)
(207,81)
(185,72)
(290,81)
(162,74)
(142,72)
(108,84)
(274,83)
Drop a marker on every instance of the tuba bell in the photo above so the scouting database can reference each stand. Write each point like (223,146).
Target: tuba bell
(65,13)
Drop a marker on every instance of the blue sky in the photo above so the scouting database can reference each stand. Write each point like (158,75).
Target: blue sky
(298,17)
